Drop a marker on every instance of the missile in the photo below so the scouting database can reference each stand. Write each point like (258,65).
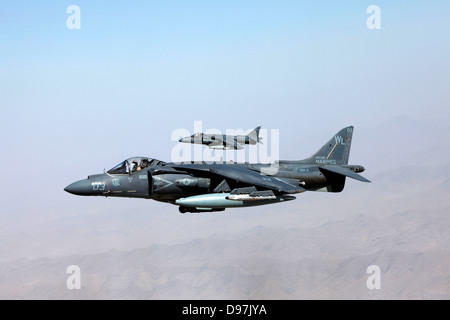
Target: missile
(223,200)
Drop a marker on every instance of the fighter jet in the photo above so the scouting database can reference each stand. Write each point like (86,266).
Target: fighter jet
(203,187)
(223,141)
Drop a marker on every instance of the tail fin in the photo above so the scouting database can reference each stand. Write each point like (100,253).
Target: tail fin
(254,134)
(335,151)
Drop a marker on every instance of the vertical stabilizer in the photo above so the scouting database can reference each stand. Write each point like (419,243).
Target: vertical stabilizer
(335,151)
(254,135)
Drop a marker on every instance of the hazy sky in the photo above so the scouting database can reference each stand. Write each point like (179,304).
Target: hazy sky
(73,102)
(136,71)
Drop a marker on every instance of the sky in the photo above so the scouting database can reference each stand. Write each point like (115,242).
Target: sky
(136,69)
(76,101)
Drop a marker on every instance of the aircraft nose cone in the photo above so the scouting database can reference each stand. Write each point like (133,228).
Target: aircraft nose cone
(181,140)
(79,188)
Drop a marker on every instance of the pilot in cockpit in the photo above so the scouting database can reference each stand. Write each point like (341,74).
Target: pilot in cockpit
(138,167)
(144,164)
(134,166)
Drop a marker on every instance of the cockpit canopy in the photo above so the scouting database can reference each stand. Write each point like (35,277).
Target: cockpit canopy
(134,164)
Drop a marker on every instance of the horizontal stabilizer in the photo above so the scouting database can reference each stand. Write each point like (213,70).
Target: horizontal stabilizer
(344,172)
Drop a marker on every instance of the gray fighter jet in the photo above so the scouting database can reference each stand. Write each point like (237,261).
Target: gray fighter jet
(223,141)
(202,187)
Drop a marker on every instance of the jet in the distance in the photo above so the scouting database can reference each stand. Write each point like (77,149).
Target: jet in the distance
(202,187)
(223,141)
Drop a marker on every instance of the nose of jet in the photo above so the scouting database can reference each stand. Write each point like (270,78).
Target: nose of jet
(80,188)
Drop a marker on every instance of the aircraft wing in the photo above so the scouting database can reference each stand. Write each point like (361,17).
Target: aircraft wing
(344,171)
(243,175)
(219,143)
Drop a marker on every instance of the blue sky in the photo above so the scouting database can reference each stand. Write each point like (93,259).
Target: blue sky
(240,55)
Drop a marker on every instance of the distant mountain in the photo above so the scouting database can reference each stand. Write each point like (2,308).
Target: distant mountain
(411,247)
(316,247)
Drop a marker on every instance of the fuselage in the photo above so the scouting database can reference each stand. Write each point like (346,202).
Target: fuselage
(162,182)
(220,141)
